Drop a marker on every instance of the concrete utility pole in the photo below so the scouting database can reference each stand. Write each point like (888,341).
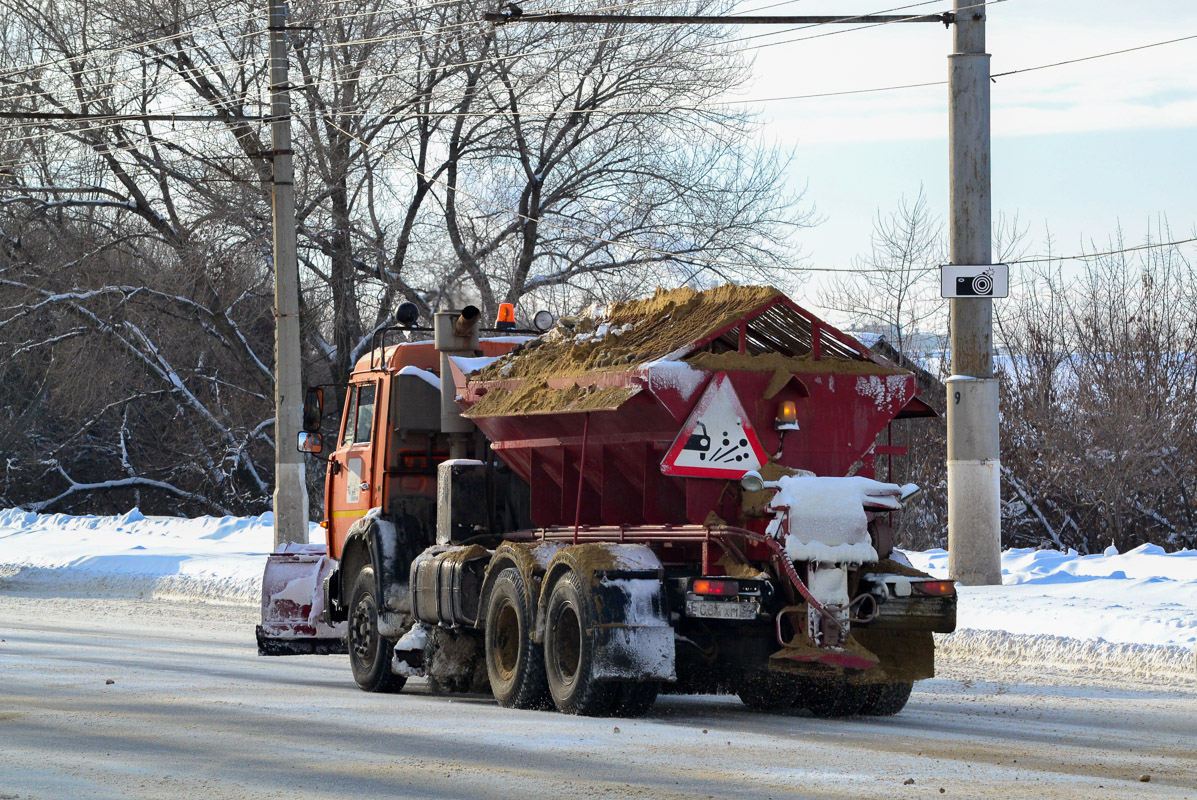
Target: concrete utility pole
(290,491)
(974,520)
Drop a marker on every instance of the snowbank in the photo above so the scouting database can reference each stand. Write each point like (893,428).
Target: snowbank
(1020,656)
(208,558)
(1144,596)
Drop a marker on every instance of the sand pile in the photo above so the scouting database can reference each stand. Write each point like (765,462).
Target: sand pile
(537,397)
(624,335)
(634,332)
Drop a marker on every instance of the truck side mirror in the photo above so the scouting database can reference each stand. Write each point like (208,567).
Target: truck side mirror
(310,443)
(313,410)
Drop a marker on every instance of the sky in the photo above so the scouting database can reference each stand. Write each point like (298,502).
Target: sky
(1078,149)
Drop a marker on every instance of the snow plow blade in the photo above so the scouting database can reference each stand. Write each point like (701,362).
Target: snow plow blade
(293,604)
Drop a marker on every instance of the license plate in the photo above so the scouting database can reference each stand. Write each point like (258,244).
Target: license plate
(714,609)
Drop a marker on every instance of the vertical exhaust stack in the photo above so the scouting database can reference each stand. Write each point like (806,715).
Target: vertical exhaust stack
(455,333)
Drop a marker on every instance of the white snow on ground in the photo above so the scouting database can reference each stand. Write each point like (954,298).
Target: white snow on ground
(1144,596)
(207,558)
(1133,614)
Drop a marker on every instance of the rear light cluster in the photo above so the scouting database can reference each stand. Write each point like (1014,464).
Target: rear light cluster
(934,588)
(709,586)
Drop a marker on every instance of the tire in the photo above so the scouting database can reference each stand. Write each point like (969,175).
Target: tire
(832,697)
(569,651)
(369,653)
(887,699)
(766,691)
(635,698)
(514,663)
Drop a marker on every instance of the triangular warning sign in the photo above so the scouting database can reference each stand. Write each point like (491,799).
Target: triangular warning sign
(717,440)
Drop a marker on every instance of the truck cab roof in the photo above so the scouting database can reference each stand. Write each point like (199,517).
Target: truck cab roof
(422,354)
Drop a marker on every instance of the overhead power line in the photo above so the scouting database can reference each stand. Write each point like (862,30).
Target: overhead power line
(181,117)
(69,115)
(503,18)
(137,84)
(177,114)
(1086,256)
(185,117)
(1094,57)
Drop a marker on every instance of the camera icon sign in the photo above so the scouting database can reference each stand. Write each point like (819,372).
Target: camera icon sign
(975,281)
(978,285)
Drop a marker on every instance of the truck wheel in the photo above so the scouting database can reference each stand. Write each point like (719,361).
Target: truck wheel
(514,663)
(887,699)
(369,653)
(767,691)
(635,698)
(569,651)
(831,697)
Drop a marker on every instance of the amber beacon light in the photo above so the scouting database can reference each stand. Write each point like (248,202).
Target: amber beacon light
(506,318)
(787,416)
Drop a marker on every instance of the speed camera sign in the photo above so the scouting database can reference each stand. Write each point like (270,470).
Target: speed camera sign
(958,280)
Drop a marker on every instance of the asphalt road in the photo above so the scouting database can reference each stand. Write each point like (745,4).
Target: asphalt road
(120,698)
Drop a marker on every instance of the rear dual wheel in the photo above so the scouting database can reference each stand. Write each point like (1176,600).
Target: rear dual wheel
(514,663)
(570,650)
(887,699)
(768,691)
(836,697)
(832,697)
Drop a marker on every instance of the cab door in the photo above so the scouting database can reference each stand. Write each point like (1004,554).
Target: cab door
(352,481)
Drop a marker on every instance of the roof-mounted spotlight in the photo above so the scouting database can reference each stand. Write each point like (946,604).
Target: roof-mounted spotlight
(407,314)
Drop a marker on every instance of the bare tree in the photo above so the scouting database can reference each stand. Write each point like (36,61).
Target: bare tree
(1100,387)
(896,294)
(438,160)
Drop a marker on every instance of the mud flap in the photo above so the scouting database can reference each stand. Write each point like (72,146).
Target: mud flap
(293,604)
(634,641)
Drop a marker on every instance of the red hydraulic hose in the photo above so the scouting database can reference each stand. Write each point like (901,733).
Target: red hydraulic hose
(786,566)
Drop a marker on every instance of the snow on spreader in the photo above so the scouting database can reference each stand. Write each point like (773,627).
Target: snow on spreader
(674,493)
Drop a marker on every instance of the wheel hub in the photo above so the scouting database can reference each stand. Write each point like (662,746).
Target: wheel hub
(505,647)
(567,643)
(361,630)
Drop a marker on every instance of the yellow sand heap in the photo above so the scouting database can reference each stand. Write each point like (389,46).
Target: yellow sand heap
(624,335)
(632,332)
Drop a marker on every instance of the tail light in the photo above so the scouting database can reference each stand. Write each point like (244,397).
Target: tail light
(934,588)
(710,586)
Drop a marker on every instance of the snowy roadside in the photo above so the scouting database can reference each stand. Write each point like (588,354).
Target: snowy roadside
(206,559)
(1111,616)
(1124,617)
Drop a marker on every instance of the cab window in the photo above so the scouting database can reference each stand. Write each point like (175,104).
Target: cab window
(350,417)
(364,418)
